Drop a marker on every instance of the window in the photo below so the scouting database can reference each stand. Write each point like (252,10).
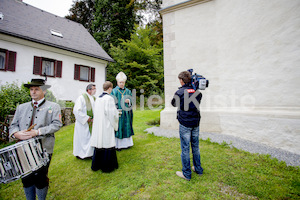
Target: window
(46,66)
(84,73)
(7,60)
(2,60)
(56,33)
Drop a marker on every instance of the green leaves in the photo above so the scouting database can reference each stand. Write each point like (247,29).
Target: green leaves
(82,11)
(114,19)
(11,95)
(141,59)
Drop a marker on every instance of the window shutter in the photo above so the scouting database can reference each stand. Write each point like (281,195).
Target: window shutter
(11,62)
(37,65)
(6,60)
(92,74)
(58,68)
(77,72)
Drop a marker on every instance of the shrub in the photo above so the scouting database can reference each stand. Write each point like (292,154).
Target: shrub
(66,104)
(50,96)
(11,95)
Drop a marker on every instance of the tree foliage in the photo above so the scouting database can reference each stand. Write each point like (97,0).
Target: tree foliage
(114,20)
(148,11)
(137,51)
(82,11)
(149,15)
(11,95)
(111,20)
(141,59)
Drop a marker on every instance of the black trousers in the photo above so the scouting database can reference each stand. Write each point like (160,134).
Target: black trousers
(38,178)
(105,159)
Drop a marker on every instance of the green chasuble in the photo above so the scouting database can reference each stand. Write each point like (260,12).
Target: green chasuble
(89,109)
(125,121)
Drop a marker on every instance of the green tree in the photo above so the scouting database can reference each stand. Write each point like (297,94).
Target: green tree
(148,11)
(114,20)
(11,95)
(141,59)
(82,11)
(145,12)
(149,15)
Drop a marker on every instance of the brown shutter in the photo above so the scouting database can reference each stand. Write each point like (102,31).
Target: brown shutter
(6,60)
(11,62)
(77,72)
(37,65)
(58,68)
(92,74)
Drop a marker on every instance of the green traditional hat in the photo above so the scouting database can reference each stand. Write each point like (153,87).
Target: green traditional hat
(37,83)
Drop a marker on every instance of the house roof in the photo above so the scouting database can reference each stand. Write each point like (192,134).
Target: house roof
(30,23)
(181,5)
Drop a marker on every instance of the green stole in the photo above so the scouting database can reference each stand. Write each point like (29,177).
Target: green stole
(89,109)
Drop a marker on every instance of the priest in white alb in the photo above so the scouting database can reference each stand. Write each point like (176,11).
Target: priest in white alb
(106,118)
(83,111)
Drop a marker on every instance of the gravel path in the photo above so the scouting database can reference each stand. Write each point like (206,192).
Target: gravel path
(291,159)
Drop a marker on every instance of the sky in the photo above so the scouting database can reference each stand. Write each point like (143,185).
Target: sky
(57,7)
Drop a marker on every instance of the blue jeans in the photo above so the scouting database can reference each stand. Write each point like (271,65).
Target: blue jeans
(190,135)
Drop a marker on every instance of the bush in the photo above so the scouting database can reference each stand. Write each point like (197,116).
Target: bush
(11,95)
(66,104)
(50,96)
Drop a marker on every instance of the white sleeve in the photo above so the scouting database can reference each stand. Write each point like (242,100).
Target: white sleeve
(79,110)
(112,114)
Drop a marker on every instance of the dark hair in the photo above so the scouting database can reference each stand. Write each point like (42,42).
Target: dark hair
(107,85)
(185,76)
(90,86)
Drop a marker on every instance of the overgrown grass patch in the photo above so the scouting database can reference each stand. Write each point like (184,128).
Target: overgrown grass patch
(147,171)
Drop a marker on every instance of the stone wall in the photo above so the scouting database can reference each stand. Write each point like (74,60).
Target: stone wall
(67,116)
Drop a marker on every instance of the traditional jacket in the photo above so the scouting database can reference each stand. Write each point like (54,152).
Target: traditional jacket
(106,117)
(125,122)
(47,118)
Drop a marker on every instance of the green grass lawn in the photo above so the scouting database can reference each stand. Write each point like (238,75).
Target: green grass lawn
(147,171)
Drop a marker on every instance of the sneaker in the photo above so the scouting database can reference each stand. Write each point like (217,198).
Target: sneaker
(193,168)
(180,174)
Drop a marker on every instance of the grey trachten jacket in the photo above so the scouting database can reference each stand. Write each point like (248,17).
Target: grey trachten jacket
(47,120)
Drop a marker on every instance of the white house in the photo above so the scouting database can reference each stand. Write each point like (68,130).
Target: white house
(34,42)
(250,52)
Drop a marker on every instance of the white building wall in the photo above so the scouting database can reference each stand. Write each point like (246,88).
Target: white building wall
(249,51)
(64,88)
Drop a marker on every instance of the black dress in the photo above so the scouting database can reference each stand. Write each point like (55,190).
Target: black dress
(105,159)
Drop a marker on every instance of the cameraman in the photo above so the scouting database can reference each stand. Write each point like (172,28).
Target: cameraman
(188,101)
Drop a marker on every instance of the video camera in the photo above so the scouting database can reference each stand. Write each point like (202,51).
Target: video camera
(198,81)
